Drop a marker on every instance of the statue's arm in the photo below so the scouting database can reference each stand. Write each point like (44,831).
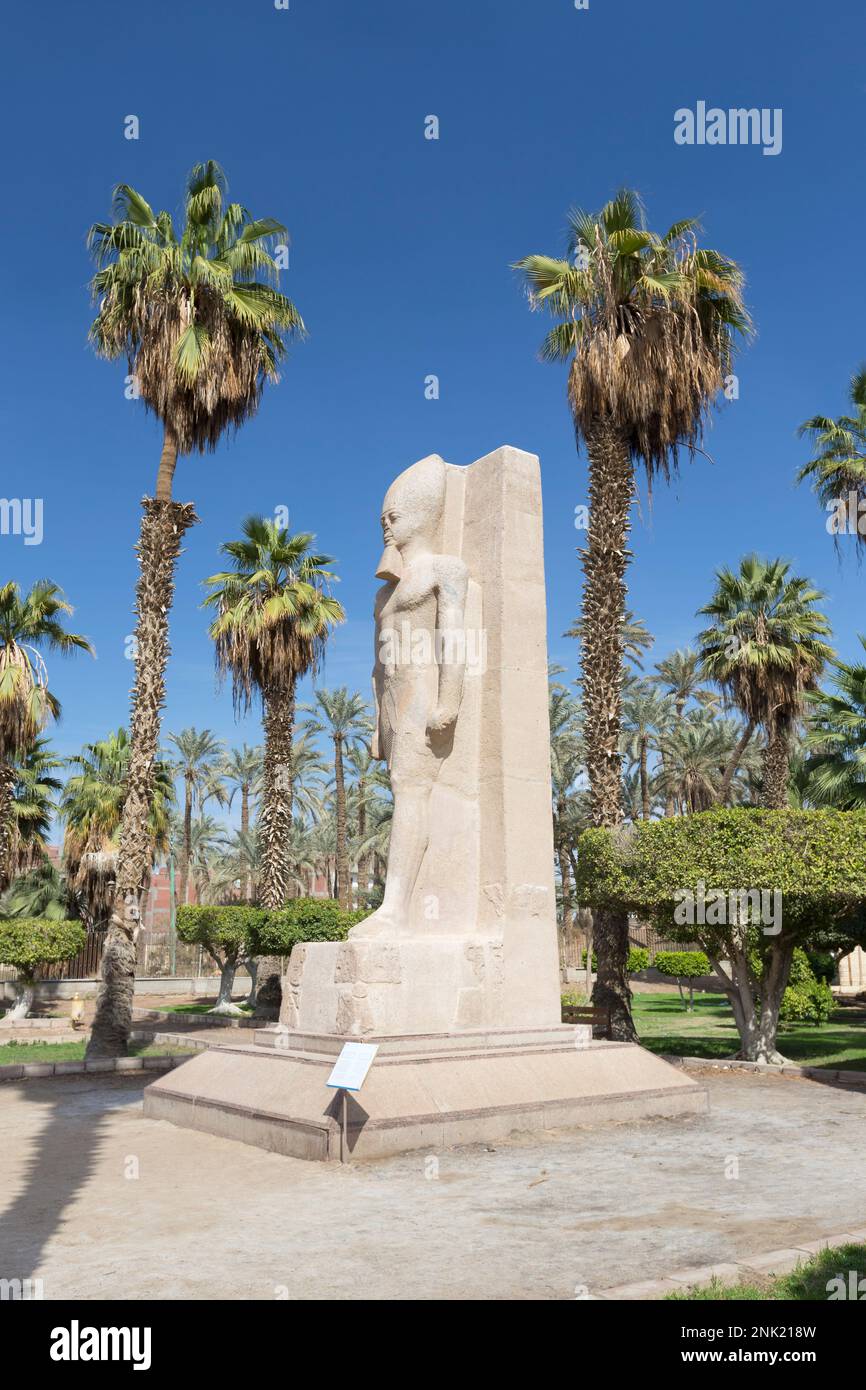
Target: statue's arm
(452,586)
(375,743)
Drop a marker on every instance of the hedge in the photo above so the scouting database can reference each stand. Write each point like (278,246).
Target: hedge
(28,942)
(682,965)
(638,959)
(256,931)
(815,859)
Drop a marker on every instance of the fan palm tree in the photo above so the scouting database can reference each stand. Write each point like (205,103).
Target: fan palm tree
(91,808)
(29,624)
(765,648)
(273,617)
(41,892)
(646,323)
(837,469)
(199,761)
(202,325)
(33,806)
(345,719)
(836,740)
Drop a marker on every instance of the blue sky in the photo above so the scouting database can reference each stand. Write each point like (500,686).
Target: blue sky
(400,259)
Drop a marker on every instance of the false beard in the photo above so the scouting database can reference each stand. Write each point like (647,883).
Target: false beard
(390,566)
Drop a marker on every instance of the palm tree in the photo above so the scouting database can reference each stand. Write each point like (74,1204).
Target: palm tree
(28,625)
(836,740)
(765,648)
(680,676)
(203,327)
(92,811)
(647,716)
(242,768)
(273,619)
(41,892)
(371,776)
(33,806)
(838,466)
(345,719)
(199,763)
(695,751)
(646,323)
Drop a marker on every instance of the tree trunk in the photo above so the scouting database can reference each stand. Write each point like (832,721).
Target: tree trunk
(224,1003)
(24,994)
(774,794)
(245,808)
(253,968)
(186,850)
(7,785)
(344,883)
(734,763)
(362,866)
(605,560)
(275,825)
(162,529)
(644,780)
(757,1019)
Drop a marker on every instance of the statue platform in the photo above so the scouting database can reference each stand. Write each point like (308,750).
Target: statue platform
(422,1091)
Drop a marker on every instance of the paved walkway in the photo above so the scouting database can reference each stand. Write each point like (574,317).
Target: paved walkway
(100,1202)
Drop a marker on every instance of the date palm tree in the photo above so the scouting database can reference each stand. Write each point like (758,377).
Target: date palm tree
(199,318)
(635,637)
(91,808)
(241,769)
(273,616)
(838,466)
(836,740)
(647,717)
(29,624)
(765,647)
(646,323)
(199,761)
(345,719)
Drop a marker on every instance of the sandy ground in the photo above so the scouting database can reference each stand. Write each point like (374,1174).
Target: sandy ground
(99,1202)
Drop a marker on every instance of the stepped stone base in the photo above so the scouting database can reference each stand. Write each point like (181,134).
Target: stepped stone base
(422,1091)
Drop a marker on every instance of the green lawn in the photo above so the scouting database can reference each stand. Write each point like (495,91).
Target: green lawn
(807,1283)
(664,1026)
(13,1053)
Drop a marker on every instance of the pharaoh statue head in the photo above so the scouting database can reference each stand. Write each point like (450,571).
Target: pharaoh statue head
(412,508)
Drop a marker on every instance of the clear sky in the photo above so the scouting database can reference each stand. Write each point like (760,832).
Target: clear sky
(401,248)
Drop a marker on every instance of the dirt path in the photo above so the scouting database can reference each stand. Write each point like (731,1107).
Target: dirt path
(100,1202)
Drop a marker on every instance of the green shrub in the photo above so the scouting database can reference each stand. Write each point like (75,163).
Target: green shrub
(303,919)
(228,928)
(638,959)
(28,942)
(682,965)
(806,999)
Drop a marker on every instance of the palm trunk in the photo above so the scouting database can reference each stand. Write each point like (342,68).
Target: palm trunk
(245,825)
(7,786)
(644,781)
(187,842)
(605,560)
(163,526)
(774,794)
(343,875)
(734,763)
(363,869)
(275,824)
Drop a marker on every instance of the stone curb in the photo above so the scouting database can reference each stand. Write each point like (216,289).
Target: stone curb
(26,1071)
(846,1078)
(202,1020)
(172,1040)
(773,1262)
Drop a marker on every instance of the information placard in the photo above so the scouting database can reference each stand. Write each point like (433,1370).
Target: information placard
(352,1065)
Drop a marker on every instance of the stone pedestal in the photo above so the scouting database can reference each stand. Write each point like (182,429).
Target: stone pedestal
(421,1092)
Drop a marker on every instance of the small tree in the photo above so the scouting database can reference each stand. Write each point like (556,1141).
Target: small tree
(30,942)
(225,933)
(747,887)
(683,965)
